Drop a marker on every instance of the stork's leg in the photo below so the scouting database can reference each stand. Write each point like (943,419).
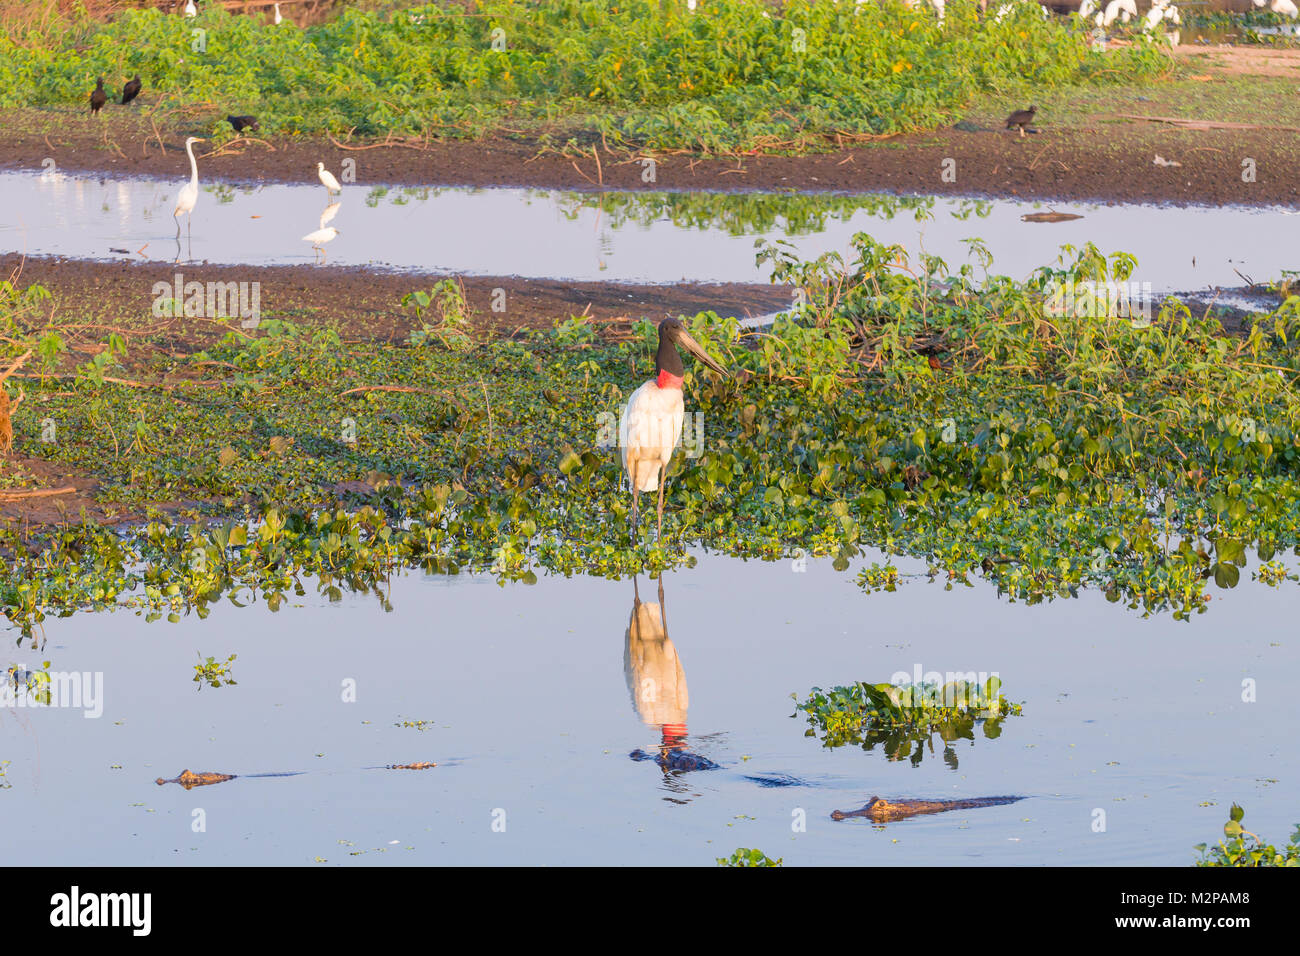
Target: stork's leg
(178,227)
(1022,132)
(663,480)
(636,511)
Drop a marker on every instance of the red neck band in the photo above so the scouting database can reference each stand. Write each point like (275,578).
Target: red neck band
(667,379)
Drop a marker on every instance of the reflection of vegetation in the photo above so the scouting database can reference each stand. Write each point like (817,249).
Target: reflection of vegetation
(747,857)
(902,720)
(737,75)
(745,213)
(1240,847)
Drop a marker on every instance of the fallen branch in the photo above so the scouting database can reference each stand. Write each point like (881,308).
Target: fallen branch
(6,496)
(389,388)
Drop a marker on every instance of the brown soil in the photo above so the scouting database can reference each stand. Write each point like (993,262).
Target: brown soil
(99,296)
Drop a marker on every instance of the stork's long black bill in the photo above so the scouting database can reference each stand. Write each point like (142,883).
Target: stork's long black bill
(684,339)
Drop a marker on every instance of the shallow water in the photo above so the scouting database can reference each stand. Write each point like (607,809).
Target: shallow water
(623,237)
(531,715)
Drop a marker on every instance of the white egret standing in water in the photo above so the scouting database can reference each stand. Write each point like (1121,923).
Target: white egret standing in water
(327,179)
(189,193)
(319,238)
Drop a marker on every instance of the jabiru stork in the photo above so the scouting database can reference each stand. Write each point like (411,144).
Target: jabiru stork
(651,424)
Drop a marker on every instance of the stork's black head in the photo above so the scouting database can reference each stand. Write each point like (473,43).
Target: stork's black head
(673,334)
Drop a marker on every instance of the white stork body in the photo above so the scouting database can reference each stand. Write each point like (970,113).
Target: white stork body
(651,423)
(648,430)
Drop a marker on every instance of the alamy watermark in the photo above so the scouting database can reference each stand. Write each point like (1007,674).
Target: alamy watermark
(81,690)
(1099,300)
(650,431)
(209,300)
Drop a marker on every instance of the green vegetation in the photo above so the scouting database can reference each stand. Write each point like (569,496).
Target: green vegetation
(1043,448)
(1240,847)
(213,672)
(747,857)
(902,720)
(738,75)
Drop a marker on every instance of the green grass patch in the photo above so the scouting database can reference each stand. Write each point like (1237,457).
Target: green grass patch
(738,75)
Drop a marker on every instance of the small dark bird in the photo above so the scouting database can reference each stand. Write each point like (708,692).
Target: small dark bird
(131,90)
(241,123)
(1021,119)
(99,97)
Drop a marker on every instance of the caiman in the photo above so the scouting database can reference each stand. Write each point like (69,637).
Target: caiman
(189,780)
(882,811)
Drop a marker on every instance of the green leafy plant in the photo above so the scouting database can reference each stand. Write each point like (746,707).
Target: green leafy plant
(747,857)
(901,719)
(214,673)
(1240,847)
(451,328)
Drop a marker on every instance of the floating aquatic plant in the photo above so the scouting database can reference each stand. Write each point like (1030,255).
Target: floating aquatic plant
(902,719)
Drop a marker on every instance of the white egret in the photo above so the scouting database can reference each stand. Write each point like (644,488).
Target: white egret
(651,424)
(320,237)
(1087,9)
(1172,15)
(1153,18)
(1125,10)
(327,179)
(278,19)
(189,193)
(1284,7)
(190,9)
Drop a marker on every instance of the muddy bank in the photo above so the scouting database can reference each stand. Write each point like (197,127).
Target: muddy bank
(1104,158)
(364,303)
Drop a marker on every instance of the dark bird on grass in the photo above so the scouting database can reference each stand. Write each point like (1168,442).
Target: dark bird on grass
(98,98)
(651,424)
(131,90)
(1021,119)
(241,123)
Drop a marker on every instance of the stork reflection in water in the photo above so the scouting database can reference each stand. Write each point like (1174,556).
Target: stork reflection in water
(657,683)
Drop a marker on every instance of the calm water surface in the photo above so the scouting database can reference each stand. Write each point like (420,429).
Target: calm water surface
(527,692)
